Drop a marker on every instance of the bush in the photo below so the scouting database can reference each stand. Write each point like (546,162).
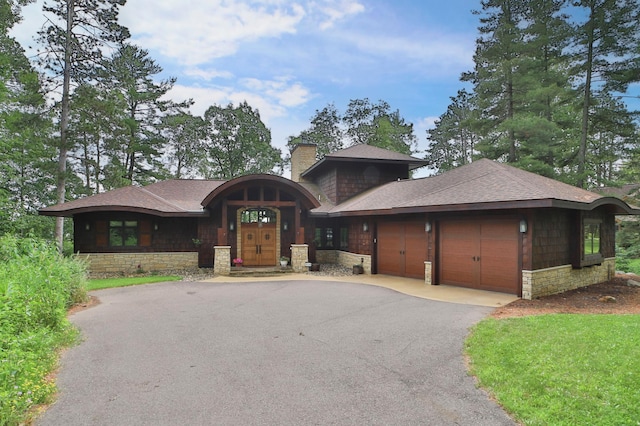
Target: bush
(37,286)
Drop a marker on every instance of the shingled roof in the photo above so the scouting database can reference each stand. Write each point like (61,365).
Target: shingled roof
(167,198)
(369,154)
(483,184)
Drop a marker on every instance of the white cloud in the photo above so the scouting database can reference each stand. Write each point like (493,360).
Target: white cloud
(206,74)
(287,94)
(335,10)
(195,32)
(271,97)
(441,51)
(426,123)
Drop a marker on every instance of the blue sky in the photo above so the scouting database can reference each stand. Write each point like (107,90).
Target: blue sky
(289,58)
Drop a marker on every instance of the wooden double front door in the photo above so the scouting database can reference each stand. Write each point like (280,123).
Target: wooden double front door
(259,244)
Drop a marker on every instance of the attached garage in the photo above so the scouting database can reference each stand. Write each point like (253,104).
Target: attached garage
(402,249)
(482,254)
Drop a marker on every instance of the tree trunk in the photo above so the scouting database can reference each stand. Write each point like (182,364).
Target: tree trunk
(584,131)
(64,124)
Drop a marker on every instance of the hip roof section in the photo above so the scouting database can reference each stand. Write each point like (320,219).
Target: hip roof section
(483,184)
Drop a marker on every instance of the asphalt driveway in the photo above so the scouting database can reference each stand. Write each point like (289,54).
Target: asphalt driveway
(270,353)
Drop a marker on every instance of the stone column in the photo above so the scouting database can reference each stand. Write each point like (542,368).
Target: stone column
(222,260)
(299,257)
(427,273)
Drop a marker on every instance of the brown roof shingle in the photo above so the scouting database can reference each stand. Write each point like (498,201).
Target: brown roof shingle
(171,198)
(480,183)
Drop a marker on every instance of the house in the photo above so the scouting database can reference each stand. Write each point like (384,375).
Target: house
(485,225)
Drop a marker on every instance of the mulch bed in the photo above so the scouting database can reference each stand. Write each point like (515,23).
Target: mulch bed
(611,297)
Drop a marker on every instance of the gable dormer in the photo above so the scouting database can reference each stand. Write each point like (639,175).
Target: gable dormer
(348,172)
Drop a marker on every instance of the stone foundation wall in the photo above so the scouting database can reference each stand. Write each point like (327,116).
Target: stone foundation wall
(347,259)
(544,282)
(327,256)
(132,262)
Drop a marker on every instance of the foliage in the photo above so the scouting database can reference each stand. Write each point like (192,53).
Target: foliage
(561,369)
(547,90)
(325,132)
(237,143)
(73,42)
(136,156)
(362,123)
(37,286)
(184,135)
(26,155)
(377,125)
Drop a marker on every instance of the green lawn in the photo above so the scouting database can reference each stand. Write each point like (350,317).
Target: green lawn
(561,369)
(634,266)
(98,284)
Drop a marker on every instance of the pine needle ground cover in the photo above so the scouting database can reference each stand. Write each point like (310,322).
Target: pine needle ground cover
(37,286)
(561,369)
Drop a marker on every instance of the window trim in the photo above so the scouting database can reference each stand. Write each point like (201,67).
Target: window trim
(590,259)
(123,227)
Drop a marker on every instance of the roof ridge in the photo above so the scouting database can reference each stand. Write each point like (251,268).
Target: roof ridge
(157,197)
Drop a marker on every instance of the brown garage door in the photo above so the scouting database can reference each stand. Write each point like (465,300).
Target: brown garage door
(480,254)
(402,249)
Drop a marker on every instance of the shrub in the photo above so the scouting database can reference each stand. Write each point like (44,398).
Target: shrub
(37,286)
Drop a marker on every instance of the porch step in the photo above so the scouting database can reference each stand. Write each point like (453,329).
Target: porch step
(263,271)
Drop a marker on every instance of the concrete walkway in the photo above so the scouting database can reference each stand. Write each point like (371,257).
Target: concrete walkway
(411,287)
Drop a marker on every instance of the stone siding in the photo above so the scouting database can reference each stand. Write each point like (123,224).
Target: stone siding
(327,256)
(222,260)
(544,282)
(344,258)
(132,262)
(303,156)
(299,257)
(428,280)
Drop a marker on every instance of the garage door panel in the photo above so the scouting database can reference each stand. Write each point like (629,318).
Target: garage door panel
(415,249)
(481,254)
(389,249)
(402,249)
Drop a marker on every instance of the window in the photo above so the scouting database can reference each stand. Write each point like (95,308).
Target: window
(591,253)
(258,216)
(591,238)
(344,239)
(123,233)
(327,238)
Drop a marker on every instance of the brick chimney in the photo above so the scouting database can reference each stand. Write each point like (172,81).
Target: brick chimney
(303,156)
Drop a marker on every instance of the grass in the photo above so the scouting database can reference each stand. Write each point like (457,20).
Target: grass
(634,266)
(561,369)
(98,284)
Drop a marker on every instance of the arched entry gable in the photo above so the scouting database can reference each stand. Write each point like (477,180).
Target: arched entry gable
(295,190)
(289,200)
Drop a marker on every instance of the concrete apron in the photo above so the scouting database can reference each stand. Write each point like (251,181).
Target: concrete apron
(411,287)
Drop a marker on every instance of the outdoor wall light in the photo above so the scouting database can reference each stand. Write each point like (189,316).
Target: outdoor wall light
(523,225)
(231,226)
(427,227)
(155,226)
(285,225)
(87,227)
(365,226)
